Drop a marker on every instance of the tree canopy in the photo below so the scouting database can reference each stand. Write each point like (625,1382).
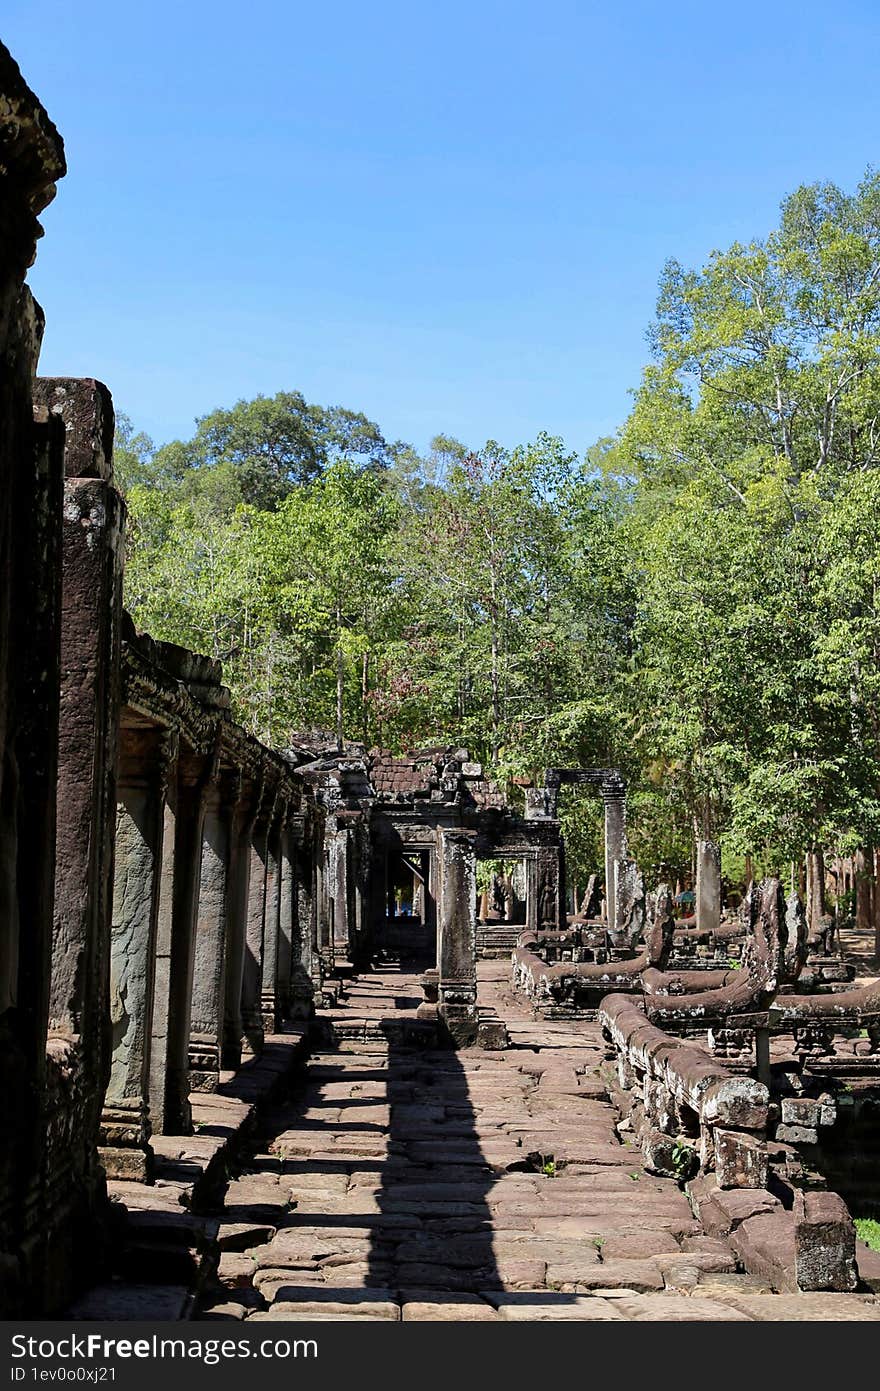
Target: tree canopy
(694,600)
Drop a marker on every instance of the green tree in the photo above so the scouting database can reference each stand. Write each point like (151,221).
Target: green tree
(271,445)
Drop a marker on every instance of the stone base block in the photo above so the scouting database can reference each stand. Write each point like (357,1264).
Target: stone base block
(492,1034)
(204,1081)
(825,1243)
(797,1134)
(460,1023)
(741,1160)
(136,1165)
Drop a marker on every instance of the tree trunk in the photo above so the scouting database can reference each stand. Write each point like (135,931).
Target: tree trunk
(815,888)
(864,879)
(495,694)
(340,679)
(876,906)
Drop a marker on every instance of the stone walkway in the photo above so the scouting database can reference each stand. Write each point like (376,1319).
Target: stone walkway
(413,1184)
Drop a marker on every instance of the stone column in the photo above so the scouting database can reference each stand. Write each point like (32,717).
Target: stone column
(91,616)
(708,890)
(429,911)
(629,907)
(35,1264)
(533,921)
(298,868)
(269,1012)
(252,974)
(145,759)
(549,907)
(236,921)
(286,919)
(341,868)
(178,901)
(614,799)
(32,466)
(457,929)
(216,881)
(325,925)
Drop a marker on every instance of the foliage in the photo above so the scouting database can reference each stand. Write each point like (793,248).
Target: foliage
(868,1231)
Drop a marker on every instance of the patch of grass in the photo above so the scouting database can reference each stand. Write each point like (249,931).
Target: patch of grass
(635,1177)
(868,1231)
(549,1168)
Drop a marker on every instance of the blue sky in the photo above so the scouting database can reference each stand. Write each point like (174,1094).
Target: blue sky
(451,216)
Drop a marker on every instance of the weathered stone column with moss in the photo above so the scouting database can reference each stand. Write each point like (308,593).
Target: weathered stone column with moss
(212,931)
(457,935)
(146,757)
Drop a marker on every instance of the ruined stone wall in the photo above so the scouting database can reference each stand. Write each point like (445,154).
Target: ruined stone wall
(31,470)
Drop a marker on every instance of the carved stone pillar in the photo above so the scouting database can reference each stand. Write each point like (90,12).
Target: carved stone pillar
(629,907)
(269,996)
(212,932)
(533,921)
(323,892)
(307,923)
(252,974)
(236,920)
(91,606)
(342,873)
(548,888)
(614,799)
(178,901)
(287,929)
(457,944)
(144,762)
(32,470)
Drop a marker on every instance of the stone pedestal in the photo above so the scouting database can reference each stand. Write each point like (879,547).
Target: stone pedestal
(457,940)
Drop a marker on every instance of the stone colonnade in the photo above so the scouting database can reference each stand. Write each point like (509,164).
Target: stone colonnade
(214,923)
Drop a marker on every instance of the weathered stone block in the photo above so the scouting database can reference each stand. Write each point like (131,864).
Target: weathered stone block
(804,1110)
(740,1160)
(825,1242)
(797,1135)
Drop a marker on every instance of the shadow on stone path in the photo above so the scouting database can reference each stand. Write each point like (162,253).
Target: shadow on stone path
(411,1183)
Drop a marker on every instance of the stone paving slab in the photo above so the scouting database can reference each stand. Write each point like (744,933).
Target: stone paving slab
(411,1184)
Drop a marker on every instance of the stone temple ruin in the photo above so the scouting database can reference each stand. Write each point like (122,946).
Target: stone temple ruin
(260,1053)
